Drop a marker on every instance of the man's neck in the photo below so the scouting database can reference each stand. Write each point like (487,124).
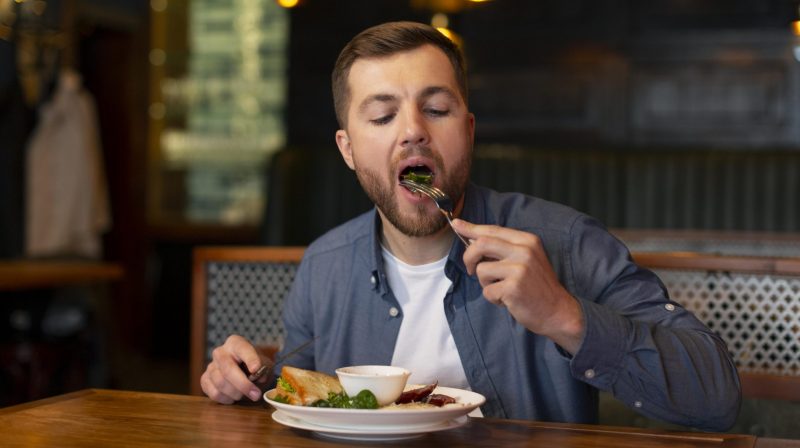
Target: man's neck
(415,250)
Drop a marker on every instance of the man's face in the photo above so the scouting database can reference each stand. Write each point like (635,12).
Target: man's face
(406,112)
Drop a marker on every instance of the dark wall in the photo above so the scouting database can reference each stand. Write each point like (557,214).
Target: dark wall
(630,73)
(16,121)
(587,73)
(693,100)
(319,30)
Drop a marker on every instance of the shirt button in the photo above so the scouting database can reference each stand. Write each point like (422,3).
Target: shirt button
(637,404)
(589,373)
(669,307)
(393,312)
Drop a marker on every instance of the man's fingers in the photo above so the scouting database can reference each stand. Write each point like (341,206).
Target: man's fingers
(494,293)
(234,375)
(226,378)
(212,393)
(475,231)
(487,250)
(226,362)
(489,272)
(470,230)
(243,351)
(211,389)
(491,242)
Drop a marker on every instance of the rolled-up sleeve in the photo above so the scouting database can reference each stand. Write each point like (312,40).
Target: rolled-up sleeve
(648,351)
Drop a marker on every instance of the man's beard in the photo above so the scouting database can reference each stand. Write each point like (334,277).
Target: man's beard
(419,223)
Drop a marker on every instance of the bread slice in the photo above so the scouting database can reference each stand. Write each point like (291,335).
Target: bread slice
(306,386)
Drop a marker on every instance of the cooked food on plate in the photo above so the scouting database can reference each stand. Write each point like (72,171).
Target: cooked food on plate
(425,395)
(304,387)
(309,388)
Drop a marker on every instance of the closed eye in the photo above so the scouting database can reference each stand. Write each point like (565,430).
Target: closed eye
(382,120)
(437,112)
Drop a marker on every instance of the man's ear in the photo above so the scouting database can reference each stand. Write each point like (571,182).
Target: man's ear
(343,142)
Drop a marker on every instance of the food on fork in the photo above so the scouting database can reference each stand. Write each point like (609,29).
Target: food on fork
(419,174)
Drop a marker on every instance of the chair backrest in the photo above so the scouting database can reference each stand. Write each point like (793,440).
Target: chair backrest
(753,303)
(238,290)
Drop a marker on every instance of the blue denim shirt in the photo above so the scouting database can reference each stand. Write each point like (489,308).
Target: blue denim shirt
(646,350)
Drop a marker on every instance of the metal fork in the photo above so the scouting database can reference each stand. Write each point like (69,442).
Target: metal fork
(439,197)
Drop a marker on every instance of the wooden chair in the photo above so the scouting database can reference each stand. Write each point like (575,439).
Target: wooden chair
(238,290)
(753,303)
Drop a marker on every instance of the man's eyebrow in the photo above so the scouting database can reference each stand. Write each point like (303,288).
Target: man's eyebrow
(377,98)
(434,90)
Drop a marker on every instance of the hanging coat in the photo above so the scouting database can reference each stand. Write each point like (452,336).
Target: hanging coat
(67,198)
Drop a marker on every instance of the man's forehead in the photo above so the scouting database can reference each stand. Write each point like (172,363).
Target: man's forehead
(426,51)
(421,68)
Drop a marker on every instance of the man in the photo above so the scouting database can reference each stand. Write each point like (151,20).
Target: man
(542,309)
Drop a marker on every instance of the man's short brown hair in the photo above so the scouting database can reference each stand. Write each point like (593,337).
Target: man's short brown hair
(385,40)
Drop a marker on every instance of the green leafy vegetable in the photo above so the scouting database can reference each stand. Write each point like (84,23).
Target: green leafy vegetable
(419,177)
(283,384)
(364,400)
(281,399)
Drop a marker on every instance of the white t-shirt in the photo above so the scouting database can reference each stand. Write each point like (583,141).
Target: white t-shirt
(425,345)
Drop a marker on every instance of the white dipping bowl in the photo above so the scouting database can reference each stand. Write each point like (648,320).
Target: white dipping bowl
(386,382)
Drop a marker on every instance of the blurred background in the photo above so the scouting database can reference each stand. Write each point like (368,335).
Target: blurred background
(149,128)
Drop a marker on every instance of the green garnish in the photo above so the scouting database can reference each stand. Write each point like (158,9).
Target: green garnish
(364,400)
(281,399)
(283,384)
(419,177)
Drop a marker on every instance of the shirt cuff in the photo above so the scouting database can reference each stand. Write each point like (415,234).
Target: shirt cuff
(600,357)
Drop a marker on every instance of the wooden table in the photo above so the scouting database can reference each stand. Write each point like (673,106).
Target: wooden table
(123,418)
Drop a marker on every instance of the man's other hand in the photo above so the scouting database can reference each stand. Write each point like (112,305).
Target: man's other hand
(224,381)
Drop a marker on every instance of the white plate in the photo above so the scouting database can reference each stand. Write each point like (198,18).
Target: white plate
(385,419)
(370,435)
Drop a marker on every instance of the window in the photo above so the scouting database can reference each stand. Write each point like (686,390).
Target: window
(218,95)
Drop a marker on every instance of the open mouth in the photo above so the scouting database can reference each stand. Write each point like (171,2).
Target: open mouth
(417,173)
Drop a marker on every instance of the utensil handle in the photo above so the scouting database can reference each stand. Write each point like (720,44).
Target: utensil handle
(450,221)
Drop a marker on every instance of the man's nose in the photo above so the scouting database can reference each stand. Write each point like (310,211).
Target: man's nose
(415,130)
